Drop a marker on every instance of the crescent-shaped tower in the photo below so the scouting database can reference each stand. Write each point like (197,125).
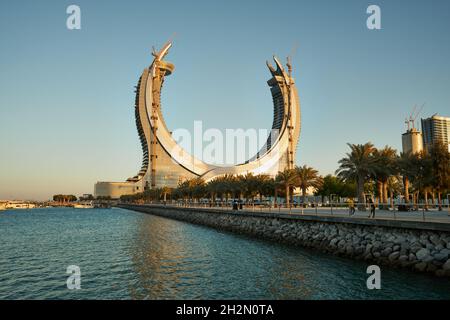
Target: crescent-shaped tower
(165,163)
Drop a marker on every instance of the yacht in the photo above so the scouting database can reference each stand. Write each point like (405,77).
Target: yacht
(84,205)
(19,205)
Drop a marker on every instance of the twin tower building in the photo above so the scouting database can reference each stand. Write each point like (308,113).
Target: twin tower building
(166,164)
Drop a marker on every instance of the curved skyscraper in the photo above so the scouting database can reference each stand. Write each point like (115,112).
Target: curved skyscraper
(165,163)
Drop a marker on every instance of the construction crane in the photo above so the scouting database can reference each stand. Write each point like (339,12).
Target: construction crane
(407,124)
(411,120)
(414,115)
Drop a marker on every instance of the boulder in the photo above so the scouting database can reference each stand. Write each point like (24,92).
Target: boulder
(441,256)
(423,254)
(405,245)
(435,240)
(416,246)
(376,245)
(386,252)
(394,256)
(403,251)
(334,242)
(400,240)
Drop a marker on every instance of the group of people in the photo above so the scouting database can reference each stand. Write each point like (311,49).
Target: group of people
(351,207)
(237,205)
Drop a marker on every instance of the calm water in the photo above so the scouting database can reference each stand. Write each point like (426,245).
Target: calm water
(129,255)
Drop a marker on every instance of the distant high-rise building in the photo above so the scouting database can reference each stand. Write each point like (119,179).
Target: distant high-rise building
(412,141)
(436,129)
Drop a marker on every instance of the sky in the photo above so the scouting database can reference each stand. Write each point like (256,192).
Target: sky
(67,96)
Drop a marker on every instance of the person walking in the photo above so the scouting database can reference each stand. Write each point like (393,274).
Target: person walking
(235,204)
(351,206)
(372,208)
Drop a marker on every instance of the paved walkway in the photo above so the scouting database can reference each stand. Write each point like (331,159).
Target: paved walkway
(432,215)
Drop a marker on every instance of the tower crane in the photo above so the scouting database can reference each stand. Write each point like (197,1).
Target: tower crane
(413,116)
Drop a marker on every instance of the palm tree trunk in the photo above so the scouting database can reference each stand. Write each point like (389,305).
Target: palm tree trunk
(406,183)
(287,196)
(439,201)
(426,199)
(361,199)
(392,199)
(303,196)
(385,193)
(276,197)
(380,192)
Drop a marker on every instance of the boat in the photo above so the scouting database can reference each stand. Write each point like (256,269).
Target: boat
(84,205)
(19,205)
(102,205)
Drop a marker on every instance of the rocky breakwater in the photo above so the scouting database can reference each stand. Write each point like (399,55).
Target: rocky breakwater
(390,244)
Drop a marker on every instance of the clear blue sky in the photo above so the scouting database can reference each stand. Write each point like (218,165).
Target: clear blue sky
(66,102)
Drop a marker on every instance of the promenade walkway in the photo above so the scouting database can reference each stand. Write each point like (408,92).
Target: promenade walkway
(430,215)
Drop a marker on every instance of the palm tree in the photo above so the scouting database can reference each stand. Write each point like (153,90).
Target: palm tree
(406,170)
(307,177)
(384,168)
(249,185)
(358,165)
(183,190)
(425,175)
(197,188)
(440,168)
(165,191)
(286,179)
(264,185)
(213,188)
(394,186)
(229,186)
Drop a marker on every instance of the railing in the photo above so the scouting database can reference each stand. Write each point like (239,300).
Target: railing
(402,211)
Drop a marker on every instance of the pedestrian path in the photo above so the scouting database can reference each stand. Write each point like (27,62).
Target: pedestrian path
(432,215)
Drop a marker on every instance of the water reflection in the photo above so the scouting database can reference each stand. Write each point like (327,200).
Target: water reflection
(166,260)
(178,260)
